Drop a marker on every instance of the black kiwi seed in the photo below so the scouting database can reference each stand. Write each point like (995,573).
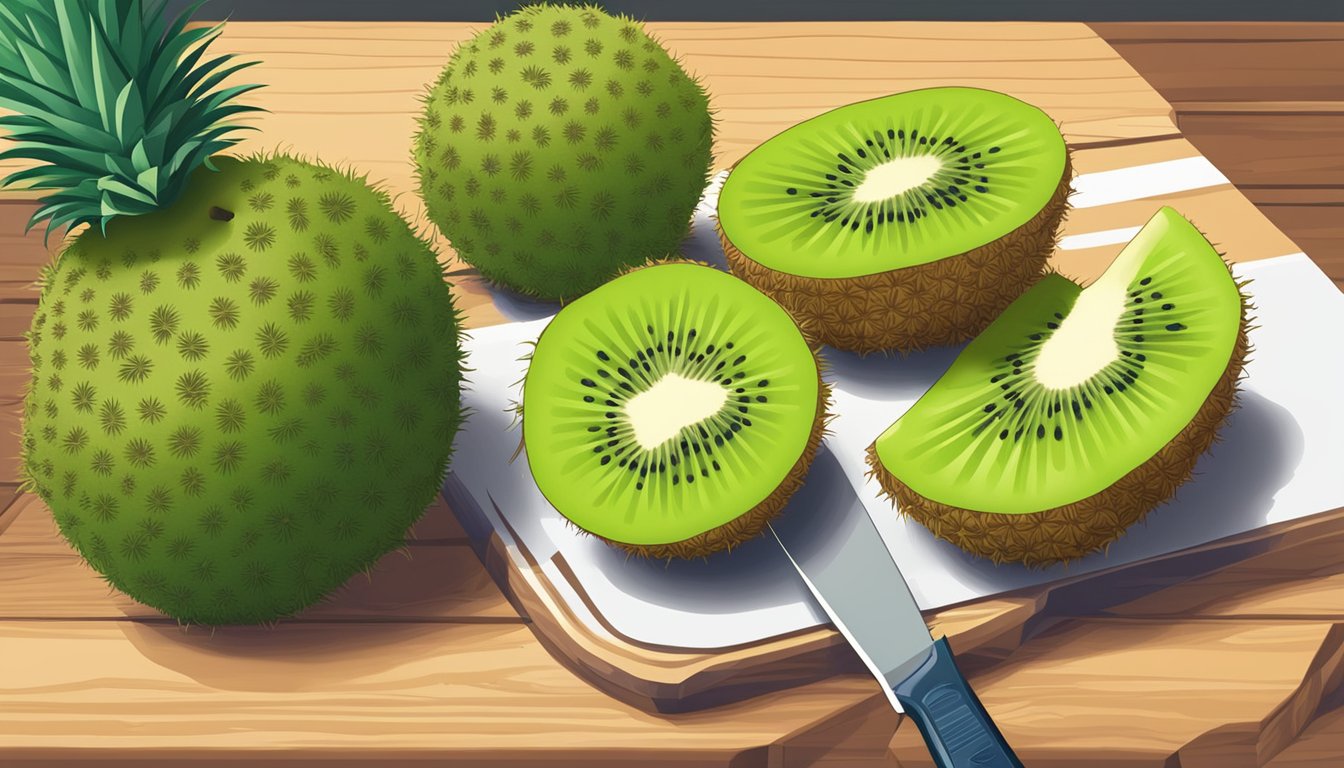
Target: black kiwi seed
(1168,306)
(1059,433)
(791,191)
(1175,327)
(1145,281)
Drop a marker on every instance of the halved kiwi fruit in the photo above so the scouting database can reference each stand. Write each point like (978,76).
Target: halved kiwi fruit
(672,411)
(1079,409)
(902,222)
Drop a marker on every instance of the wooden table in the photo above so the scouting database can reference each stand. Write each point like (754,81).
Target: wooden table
(427,662)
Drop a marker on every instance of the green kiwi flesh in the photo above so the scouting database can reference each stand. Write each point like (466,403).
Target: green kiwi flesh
(672,411)
(900,222)
(1079,409)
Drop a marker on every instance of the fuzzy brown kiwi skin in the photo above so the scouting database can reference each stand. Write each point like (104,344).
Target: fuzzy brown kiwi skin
(1074,530)
(939,303)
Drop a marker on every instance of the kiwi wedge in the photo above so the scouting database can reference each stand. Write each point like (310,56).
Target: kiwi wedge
(901,222)
(672,411)
(1079,409)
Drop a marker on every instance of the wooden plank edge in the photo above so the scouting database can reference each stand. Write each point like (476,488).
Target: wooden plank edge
(1128,583)
(1232,742)
(697,682)
(316,756)
(662,683)
(1216,31)
(1259,108)
(9,497)
(670,680)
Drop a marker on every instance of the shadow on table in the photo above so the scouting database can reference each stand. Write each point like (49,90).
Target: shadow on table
(891,376)
(413,603)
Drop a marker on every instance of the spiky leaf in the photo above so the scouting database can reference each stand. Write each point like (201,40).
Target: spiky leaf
(116,105)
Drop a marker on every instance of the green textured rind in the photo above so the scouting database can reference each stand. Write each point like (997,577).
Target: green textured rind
(560,146)
(229,419)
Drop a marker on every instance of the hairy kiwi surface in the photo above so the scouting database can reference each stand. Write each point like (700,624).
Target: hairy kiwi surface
(672,411)
(1079,410)
(901,222)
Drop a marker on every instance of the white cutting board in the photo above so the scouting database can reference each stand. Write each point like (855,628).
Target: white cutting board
(1281,458)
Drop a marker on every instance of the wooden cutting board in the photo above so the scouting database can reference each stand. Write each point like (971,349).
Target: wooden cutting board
(1104,136)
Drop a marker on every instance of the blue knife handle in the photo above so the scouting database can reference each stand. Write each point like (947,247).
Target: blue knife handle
(956,727)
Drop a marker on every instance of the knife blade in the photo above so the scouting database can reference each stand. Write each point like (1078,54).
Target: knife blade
(832,542)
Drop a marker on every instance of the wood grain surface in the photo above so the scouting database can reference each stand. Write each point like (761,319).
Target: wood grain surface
(1265,103)
(1240,667)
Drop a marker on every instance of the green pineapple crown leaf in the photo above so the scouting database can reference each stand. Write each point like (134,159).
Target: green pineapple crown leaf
(116,104)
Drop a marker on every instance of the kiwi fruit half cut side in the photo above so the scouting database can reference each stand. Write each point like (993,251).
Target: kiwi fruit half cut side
(901,222)
(1079,409)
(672,411)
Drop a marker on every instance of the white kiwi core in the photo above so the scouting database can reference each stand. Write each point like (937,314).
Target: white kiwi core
(673,403)
(895,177)
(1084,344)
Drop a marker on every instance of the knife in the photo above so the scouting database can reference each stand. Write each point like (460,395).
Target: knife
(832,542)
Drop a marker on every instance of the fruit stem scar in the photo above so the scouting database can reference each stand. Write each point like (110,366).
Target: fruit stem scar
(671,404)
(220,214)
(896,176)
